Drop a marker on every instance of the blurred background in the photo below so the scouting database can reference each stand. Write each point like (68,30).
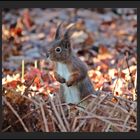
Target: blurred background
(101,38)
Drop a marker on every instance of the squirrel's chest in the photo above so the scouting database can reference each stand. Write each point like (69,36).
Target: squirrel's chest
(62,70)
(71,94)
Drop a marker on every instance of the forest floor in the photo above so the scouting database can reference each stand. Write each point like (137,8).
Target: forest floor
(105,39)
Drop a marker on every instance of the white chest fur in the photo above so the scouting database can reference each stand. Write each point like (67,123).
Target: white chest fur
(63,71)
(71,94)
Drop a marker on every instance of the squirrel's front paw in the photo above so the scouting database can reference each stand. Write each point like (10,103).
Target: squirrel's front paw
(69,83)
(59,78)
(62,80)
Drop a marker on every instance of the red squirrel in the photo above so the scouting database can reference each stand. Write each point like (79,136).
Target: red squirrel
(69,70)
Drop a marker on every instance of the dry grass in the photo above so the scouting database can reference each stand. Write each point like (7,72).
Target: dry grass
(102,113)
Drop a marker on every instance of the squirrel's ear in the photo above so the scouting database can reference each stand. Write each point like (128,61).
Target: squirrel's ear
(66,34)
(57,35)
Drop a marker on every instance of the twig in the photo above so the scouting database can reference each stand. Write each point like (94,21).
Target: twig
(35,63)
(127,118)
(62,111)
(93,102)
(111,113)
(91,127)
(56,122)
(29,84)
(15,113)
(74,124)
(105,120)
(99,103)
(126,58)
(58,117)
(21,118)
(30,99)
(44,118)
(85,99)
(118,97)
(22,77)
(75,120)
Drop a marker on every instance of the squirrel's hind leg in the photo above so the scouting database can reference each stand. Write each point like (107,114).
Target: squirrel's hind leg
(86,88)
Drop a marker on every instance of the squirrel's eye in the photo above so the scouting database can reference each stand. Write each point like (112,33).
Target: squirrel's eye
(58,50)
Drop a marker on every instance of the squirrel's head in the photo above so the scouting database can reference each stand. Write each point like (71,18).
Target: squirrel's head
(60,49)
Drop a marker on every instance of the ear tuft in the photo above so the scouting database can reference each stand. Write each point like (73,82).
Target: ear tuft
(66,34)
(57,35)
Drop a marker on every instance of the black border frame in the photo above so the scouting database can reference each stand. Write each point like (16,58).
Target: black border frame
(76,4)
